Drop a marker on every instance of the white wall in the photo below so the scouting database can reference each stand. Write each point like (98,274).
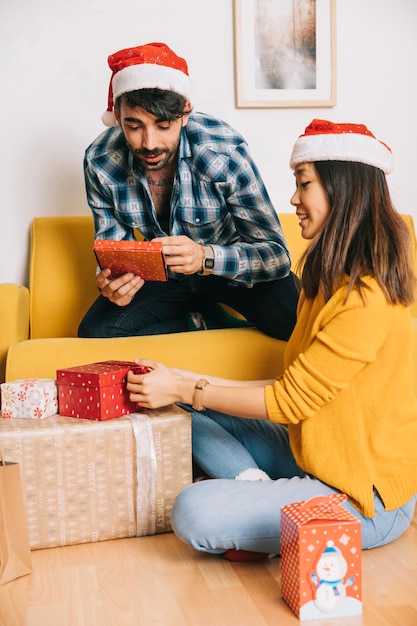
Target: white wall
(54,79)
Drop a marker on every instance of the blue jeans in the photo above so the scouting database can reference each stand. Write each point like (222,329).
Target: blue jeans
(160,308)
(216,515)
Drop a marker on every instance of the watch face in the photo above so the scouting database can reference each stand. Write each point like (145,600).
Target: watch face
(208,264)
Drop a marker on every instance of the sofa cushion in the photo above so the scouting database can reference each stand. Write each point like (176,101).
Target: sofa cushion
(239,353)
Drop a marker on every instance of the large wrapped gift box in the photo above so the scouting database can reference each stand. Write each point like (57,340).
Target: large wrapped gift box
(29,398)
(95,391)
(87,481)
(321,558)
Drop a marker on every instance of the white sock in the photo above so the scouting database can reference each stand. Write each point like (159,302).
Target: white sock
(253,473)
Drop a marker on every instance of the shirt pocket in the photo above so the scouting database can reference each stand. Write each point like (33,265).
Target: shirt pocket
(197,216)
(212,224)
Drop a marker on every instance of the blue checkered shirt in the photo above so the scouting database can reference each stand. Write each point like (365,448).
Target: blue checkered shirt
(218,199)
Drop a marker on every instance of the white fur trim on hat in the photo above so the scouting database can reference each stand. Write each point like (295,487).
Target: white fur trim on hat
(342,146)
(147,76)
(153,65)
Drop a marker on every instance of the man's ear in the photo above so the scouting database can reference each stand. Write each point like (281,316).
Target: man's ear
(186,114)
(116,112)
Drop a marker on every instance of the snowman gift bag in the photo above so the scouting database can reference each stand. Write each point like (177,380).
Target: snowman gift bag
(321,558)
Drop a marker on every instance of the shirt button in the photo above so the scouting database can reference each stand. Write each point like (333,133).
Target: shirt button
(197,219)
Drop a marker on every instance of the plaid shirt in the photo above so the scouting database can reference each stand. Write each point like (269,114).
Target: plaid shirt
(218,199)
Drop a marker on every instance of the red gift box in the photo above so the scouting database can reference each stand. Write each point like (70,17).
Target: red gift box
(142,258)
(95,391)
(321,558)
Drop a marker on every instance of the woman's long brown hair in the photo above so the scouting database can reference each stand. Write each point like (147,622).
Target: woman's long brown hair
(363,236)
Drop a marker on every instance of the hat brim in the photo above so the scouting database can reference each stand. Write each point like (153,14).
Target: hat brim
(342,147)
(149,76)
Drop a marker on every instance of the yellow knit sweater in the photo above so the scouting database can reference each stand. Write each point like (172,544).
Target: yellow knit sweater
(347,396)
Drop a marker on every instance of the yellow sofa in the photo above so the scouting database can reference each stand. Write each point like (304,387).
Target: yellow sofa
(38,326)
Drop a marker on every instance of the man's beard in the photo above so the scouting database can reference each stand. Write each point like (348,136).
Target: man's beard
(167,154)
(161,163)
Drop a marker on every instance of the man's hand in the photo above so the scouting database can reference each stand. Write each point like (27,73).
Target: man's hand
(182,254)
(119,290)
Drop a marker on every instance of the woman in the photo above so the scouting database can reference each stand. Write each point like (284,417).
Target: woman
(343,416)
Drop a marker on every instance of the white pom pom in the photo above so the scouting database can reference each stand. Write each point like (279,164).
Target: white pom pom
(108,118)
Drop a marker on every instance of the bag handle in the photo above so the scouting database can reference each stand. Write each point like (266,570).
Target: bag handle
(329,503)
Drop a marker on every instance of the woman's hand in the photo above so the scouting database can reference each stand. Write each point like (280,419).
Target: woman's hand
(160,386)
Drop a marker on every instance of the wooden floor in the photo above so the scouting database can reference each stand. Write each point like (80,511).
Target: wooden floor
(151,581)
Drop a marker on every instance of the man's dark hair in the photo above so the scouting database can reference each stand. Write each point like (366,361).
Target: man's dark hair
(162,103)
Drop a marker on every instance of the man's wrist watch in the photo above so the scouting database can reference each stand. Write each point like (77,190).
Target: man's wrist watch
(208,261)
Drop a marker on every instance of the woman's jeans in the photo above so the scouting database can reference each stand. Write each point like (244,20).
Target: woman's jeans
(216,515)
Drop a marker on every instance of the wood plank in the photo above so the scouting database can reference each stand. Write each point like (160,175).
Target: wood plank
(160,581)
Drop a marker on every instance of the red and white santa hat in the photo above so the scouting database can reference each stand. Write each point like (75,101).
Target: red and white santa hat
(325,141)
(153,65)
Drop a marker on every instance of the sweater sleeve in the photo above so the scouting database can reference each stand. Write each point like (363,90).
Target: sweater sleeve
(343,338)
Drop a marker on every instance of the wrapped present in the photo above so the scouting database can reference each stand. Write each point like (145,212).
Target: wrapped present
(95,391)
(142,258)
(321,558)
(86,481)
(30,398)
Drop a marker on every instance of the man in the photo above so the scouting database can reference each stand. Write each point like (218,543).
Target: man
(187,180)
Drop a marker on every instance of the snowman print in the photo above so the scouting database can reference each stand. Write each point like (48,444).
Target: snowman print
(328,578)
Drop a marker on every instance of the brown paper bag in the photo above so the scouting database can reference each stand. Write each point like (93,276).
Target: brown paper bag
(15,557)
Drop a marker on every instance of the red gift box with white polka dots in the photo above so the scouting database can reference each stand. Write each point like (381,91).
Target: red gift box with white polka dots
(321,558)
(96,391)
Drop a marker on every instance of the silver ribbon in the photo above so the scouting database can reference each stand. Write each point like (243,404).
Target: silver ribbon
(146,468)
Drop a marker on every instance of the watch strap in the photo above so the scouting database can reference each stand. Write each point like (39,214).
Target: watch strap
(197,403)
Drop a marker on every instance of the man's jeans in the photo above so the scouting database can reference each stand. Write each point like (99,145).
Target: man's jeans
(160,308)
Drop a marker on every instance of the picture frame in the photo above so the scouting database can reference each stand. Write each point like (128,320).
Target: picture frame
(285,53)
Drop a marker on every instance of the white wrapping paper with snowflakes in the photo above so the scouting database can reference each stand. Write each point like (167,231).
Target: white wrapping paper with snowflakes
(30,398)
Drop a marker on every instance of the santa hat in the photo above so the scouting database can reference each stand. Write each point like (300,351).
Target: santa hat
(326,141)
(153,65)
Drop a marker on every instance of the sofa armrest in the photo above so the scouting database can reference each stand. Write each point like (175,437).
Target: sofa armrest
(14,319)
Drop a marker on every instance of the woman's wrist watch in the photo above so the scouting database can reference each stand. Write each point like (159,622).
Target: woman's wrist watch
(208,261)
